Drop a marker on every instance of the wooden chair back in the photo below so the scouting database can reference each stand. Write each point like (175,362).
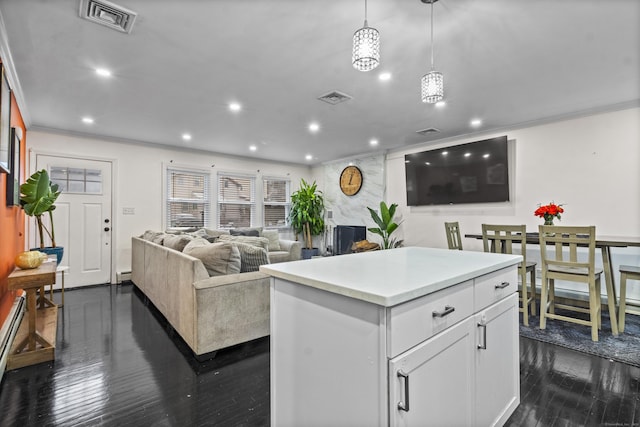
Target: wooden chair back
(453,235)
(567,263)
(502,239)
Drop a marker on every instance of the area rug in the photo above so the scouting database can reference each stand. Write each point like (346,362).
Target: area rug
(623,348)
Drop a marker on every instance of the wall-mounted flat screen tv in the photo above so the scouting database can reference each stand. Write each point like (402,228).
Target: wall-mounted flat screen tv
(476,172)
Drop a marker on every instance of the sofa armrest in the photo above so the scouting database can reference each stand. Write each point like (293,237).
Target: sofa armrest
(293,247)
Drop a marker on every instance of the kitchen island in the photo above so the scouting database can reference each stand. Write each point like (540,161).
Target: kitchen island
(410,336)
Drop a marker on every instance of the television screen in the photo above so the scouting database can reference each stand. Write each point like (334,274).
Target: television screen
(476,172)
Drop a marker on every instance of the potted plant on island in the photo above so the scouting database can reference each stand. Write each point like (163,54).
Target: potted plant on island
(307,215)
(37,197)
(386,225)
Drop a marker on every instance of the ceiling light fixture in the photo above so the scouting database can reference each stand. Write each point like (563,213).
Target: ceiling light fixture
(433,81)
(373,142)
(235,107)
(385,76)
(314,127)
(308,157)
(366,46)
(87,120)
(440,104)
(186,137)
(103,72)
(476,122)
(253,148)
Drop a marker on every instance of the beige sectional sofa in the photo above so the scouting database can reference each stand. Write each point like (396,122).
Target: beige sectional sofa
(209,313)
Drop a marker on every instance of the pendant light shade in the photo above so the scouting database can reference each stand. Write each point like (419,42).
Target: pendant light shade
(432,90)
(432,87)
(366,46)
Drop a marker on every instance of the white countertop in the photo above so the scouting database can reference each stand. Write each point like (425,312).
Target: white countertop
(390,277)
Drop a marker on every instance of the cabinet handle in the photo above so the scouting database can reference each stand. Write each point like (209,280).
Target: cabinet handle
(483,346)
(502,285)
(447,310)
(404,406)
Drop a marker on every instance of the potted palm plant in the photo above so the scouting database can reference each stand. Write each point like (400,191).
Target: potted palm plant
(386,225)
(307,215)
(37,198)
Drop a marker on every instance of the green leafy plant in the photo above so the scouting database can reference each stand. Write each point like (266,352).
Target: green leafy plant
(38,196)
(307,212)
(386,225)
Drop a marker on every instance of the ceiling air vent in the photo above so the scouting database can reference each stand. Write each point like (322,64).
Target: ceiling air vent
(428,131)
(108,14)
(334,97)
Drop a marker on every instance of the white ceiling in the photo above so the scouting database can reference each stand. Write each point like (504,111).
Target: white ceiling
(507,62)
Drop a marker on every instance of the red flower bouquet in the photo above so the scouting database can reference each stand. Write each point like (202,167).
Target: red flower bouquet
(549,212)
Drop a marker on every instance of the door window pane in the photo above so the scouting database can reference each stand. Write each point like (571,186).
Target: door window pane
(77,180)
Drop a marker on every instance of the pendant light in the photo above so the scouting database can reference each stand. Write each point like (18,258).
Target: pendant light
(366,46)
(433,81)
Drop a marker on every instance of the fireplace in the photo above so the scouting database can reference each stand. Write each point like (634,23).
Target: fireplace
(345,235)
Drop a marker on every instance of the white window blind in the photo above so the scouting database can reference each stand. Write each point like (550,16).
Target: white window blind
(236,200)
(187,198)
(276,202)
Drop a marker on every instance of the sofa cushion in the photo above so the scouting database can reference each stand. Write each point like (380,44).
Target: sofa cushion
(153,236)
(279,256)
(252,257)
(213,232)
(261,242)
(177,242)
(254,231)
(274,239)
(218,258)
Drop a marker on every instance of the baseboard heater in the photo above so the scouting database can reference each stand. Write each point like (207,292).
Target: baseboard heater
(9,330)
(123,276)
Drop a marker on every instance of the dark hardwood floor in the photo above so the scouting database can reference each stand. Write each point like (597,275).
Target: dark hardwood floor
(117,365)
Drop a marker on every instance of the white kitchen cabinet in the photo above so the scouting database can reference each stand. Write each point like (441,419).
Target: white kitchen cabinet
(353,336)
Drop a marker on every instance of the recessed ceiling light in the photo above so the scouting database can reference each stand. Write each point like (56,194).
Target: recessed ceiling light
(235,107)
(314,127)
(467,154)
(440,104)
(384,76)
(476,122)
(444,153)
(373,142)
(186,136)
(103,72)
(253,148)
(407,161)
(87,120)
(486,156)
(308,157)
(427,163)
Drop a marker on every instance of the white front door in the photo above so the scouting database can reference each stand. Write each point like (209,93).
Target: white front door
(82,217)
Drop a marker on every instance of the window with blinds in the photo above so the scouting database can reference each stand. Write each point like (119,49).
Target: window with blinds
(236,200)
(276,202)
(187,199)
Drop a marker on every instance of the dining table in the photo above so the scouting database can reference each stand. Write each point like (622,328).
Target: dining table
(604,243)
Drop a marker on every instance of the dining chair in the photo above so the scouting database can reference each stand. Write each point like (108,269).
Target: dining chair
(502,239)
(566,265)
(453,235)
(626,272)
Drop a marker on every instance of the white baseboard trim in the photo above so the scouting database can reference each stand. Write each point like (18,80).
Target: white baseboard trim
(10,329)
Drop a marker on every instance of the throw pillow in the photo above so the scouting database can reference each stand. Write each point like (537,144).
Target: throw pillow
(251,257)
(261,242)
(218,258)
(215,233)
(274,239)
(176,241)
(255,232)
(151,235)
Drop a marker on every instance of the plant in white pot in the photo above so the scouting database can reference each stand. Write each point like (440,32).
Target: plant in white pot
(37,198)
(307,215)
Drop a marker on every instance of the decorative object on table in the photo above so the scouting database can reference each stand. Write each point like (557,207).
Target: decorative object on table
(13,179)
(364,246)
(366,46)
(386,225)
(5,123)
(549,212)
(307,215)
(38,196)
(30,259)
(351,180)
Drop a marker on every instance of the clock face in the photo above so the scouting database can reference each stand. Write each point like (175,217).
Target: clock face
(351,180)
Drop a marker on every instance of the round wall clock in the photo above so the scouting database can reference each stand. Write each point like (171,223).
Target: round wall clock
(351,180)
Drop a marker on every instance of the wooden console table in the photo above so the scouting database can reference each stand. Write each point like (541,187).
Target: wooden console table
(35,340)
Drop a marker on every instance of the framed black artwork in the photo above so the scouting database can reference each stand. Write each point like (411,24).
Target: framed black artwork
(5,116)
(13,179)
